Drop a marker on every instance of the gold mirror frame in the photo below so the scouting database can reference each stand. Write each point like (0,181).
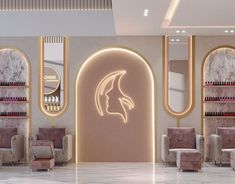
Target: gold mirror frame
(41,83)
(190,105)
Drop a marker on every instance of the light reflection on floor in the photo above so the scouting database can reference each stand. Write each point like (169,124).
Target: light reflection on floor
(106,173)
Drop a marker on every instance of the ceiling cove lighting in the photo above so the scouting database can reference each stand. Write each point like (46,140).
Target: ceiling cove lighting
(170,12)
(146,12)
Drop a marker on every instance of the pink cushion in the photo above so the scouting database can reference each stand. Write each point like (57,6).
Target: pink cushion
(182,137)
(228,136)
(52,134)
(5,136)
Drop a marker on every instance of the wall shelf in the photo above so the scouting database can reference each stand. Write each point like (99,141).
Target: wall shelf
(14,86)
(13,102)
(219,117)
(14,117)
(215,86)
(219,101)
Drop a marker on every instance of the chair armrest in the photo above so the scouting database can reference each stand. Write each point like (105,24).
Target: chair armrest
(17,146)
(215,147)
(67,147)
(200,145)
(30,139)
(165,144)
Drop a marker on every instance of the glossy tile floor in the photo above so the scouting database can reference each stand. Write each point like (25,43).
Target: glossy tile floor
(113,173)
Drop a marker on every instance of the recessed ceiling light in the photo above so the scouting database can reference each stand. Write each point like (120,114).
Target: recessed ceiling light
(231,31)
(183,31)
(226,31)
(146,12)
(178,31)
(177,40)
(172,40)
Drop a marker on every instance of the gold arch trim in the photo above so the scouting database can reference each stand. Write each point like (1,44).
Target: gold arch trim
(103,51)
(190,106)
(41,79)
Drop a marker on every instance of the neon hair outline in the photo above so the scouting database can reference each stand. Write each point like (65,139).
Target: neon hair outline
(124,100)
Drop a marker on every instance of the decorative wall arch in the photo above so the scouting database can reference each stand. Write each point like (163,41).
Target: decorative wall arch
(18,70)
(218,66)
(115,108)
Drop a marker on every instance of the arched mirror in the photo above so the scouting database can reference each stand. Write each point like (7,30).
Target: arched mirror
(53,75)
(178,74)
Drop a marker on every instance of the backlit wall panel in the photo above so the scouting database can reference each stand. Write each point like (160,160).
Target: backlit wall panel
(115,108)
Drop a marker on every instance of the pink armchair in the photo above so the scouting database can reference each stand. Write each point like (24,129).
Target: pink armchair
(62,142)
(178,140)
(11,146)
(221,144)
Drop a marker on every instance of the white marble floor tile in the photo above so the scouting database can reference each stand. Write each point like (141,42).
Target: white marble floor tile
(117,173)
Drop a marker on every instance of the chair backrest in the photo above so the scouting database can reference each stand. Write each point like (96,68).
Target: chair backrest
(42,149)
(183,137)
(228,136)
(6,135)
(52,134)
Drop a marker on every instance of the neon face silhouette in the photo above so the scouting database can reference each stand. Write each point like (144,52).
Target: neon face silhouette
(116,100)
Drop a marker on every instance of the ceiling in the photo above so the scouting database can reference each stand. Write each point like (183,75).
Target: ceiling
(126,17)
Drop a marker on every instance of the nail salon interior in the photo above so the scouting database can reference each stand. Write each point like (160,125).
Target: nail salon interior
(117,91)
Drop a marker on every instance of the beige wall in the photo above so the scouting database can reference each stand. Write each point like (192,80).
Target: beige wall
(80,48)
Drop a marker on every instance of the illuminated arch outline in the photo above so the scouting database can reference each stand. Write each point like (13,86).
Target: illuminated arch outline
(152,103)
(111,77)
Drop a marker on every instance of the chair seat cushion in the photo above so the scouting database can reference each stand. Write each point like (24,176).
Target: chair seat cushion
(42,149)
(5,136)
(228,136)
(182,138)
(189,156)
(53,134)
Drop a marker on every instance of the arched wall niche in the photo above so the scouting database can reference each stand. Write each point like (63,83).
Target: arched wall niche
(218,66)
(115,109)
(16,67)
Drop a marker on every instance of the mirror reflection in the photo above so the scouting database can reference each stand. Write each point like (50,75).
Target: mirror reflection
(53,75)
(178,74)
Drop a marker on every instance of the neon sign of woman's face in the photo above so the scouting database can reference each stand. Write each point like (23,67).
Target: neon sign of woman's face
(116,100)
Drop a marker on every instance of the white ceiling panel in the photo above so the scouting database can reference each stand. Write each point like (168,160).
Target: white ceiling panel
(129,19)
(204,13)
(71,23)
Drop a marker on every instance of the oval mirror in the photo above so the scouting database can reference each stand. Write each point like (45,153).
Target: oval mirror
(178,74)
(53,75)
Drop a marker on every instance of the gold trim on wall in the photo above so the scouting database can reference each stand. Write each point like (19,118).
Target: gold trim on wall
(153,103)
(41,69)
(190,106)
(203,81)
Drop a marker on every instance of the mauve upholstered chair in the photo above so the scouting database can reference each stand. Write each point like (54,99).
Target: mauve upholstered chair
(62,142)
(11,146)
(221,144)
(180,139)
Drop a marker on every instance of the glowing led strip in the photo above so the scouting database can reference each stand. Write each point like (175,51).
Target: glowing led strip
(152,95)
(100,90)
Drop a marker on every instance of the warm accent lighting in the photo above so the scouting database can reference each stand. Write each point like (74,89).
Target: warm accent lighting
(122,99)
(152,103)
(170,12)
